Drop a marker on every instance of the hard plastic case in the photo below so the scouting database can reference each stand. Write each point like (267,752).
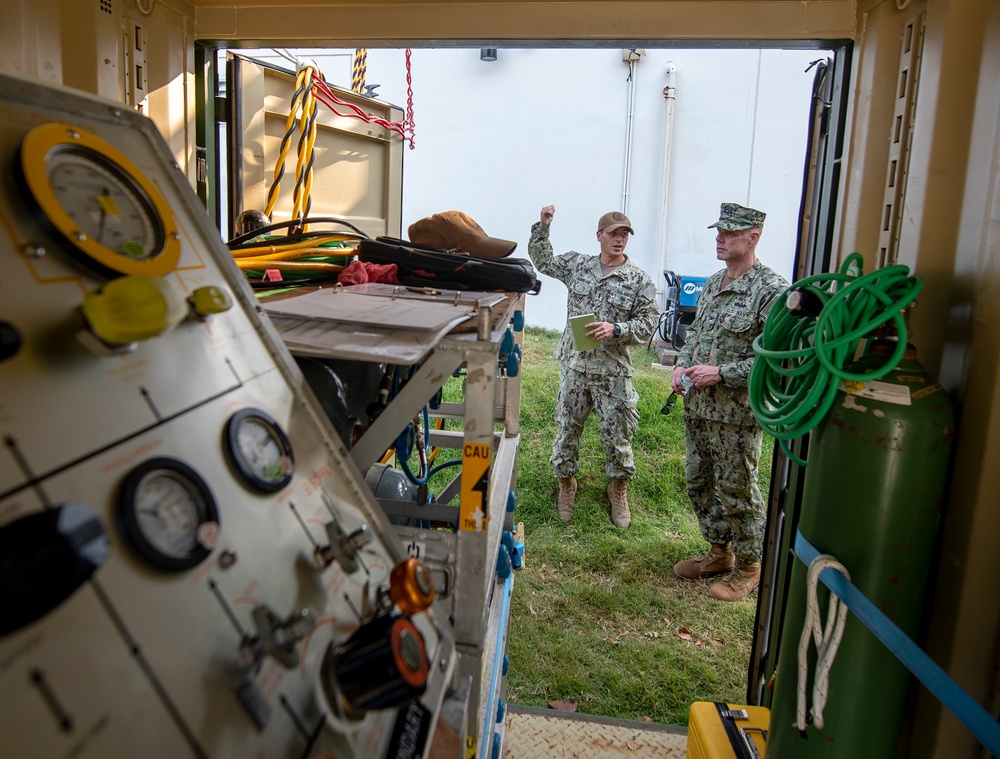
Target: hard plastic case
(426,266)
(708,737)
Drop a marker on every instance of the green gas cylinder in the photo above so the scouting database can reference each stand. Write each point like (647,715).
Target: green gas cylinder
(872,496)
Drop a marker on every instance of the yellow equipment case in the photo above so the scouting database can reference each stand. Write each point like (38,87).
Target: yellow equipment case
(726,731)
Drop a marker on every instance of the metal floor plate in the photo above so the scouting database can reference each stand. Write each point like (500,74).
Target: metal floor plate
(533,733)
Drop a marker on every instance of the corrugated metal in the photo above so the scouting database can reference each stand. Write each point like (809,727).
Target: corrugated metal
(545,734)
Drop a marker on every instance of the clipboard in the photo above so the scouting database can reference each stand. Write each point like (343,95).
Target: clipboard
(581,340)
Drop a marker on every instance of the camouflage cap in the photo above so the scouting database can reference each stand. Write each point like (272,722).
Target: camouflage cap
(734,217)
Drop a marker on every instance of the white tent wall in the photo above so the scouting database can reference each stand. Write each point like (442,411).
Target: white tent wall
(501,139)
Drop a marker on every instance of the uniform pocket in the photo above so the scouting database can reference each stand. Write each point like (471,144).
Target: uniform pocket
(736,322)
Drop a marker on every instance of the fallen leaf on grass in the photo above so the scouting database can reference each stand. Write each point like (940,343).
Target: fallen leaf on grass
(684,634)
(563,706)
(647,719)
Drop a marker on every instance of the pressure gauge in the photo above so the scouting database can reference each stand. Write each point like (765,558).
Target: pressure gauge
(98,202)
(168,514)
(259,450)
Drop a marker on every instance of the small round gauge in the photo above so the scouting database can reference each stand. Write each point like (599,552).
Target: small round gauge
(168,514)
(259,450)
(98,201)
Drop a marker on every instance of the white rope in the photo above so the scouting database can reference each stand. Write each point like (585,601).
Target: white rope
(827,642)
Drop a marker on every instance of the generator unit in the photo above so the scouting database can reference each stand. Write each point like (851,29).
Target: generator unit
(679,308)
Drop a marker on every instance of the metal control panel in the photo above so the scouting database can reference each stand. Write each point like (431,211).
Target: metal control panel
(190,562)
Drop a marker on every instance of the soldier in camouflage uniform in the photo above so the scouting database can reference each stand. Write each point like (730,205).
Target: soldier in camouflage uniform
(622,298)
(722,437)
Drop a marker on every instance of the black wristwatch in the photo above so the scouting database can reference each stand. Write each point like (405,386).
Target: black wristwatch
(618,330)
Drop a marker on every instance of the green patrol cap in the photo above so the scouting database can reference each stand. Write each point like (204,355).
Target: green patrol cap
(734,218)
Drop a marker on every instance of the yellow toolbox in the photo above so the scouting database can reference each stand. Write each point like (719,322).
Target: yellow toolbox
(726,731)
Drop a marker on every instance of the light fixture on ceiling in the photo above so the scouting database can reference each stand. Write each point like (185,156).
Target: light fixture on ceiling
(488,54)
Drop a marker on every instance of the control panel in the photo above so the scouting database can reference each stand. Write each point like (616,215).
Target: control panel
(190,562)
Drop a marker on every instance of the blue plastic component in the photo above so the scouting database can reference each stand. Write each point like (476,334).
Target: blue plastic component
(507,540)
(514,363)
(511,501)
(691,288)
(504,564)
(506,664)
(518,320)
(517,555)
(507,344)
(501,709)
(496,745)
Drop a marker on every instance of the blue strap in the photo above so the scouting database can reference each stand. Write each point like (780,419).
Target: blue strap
(947,691)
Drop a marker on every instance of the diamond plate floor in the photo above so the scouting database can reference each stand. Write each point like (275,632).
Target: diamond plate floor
(547,734)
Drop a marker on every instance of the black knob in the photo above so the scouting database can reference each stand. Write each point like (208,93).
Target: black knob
(382,665)
(10,341)
(803,303)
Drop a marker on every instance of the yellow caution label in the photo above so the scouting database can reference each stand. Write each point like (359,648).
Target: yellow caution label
(474,506)
(929,390)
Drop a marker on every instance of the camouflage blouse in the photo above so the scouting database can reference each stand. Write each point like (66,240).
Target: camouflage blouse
(625,296)
(724,328)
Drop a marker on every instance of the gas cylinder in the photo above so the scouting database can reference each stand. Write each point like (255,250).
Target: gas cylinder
(874,483)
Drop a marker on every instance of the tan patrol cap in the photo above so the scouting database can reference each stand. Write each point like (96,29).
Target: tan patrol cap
(613,220)
(456,229)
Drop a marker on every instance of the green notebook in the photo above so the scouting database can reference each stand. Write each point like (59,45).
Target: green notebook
(581,340)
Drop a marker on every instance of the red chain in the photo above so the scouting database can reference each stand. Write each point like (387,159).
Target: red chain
(405,128)
(409,125)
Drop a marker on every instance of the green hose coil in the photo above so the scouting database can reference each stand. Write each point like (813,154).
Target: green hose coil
(801,356)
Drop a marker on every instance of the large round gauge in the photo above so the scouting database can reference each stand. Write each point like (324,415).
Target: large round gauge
(259,450)
(168,514)
(99,202)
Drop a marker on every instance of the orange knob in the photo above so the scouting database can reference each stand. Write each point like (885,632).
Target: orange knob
(411,586)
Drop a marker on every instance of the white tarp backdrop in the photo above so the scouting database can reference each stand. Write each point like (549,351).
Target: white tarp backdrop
(501,139)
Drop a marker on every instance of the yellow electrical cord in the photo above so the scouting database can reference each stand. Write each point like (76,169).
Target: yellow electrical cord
(286,141)
(302,108)
(264,263)
(266,247)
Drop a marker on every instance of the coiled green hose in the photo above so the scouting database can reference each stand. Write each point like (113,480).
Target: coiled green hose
(801,356)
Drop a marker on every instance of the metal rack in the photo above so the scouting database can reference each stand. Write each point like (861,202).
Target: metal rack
(471,557)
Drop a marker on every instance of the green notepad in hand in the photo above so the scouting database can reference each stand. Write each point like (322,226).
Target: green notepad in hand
(581,340)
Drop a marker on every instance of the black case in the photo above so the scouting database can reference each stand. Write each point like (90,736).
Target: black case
(451,271)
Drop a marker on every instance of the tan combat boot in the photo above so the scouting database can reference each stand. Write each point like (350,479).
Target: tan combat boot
(566,497)
(737,585)
(718,560)
(617,494)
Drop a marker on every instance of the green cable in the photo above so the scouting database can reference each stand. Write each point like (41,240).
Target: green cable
(801,357)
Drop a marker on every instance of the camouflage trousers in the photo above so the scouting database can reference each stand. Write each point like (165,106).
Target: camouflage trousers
(615,402)
(722,483)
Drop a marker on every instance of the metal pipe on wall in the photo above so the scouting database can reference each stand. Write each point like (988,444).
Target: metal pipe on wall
(632,60)
(670,96)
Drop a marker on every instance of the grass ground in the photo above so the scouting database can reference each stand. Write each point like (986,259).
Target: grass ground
(598,619)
